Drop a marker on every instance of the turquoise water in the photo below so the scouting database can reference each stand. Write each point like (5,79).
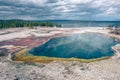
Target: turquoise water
(86,46)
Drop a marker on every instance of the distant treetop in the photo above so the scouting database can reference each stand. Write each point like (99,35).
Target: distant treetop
(24,23)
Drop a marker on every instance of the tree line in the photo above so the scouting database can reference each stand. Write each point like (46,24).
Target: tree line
(22,23)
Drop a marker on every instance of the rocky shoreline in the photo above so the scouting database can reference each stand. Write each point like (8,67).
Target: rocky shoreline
(100,70)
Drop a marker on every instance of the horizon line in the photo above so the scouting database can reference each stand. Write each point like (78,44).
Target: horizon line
(59,20)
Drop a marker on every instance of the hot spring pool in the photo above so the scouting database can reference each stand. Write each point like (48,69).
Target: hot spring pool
(85,46)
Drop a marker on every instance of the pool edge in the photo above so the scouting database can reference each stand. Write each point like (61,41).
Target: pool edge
(22,56)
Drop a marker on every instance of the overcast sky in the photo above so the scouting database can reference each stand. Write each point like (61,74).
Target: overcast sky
(60,9)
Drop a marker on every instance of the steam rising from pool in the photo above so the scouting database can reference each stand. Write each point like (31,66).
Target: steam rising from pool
(86,46)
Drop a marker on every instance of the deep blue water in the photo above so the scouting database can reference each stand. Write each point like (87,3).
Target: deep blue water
(77,23)
(86,46)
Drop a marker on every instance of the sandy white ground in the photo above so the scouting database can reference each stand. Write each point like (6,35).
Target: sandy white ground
(100,70)
(24,32)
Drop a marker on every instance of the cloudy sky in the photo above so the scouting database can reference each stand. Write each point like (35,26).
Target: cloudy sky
(60,9)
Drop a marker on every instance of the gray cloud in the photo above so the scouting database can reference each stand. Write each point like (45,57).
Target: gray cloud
(60,9)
